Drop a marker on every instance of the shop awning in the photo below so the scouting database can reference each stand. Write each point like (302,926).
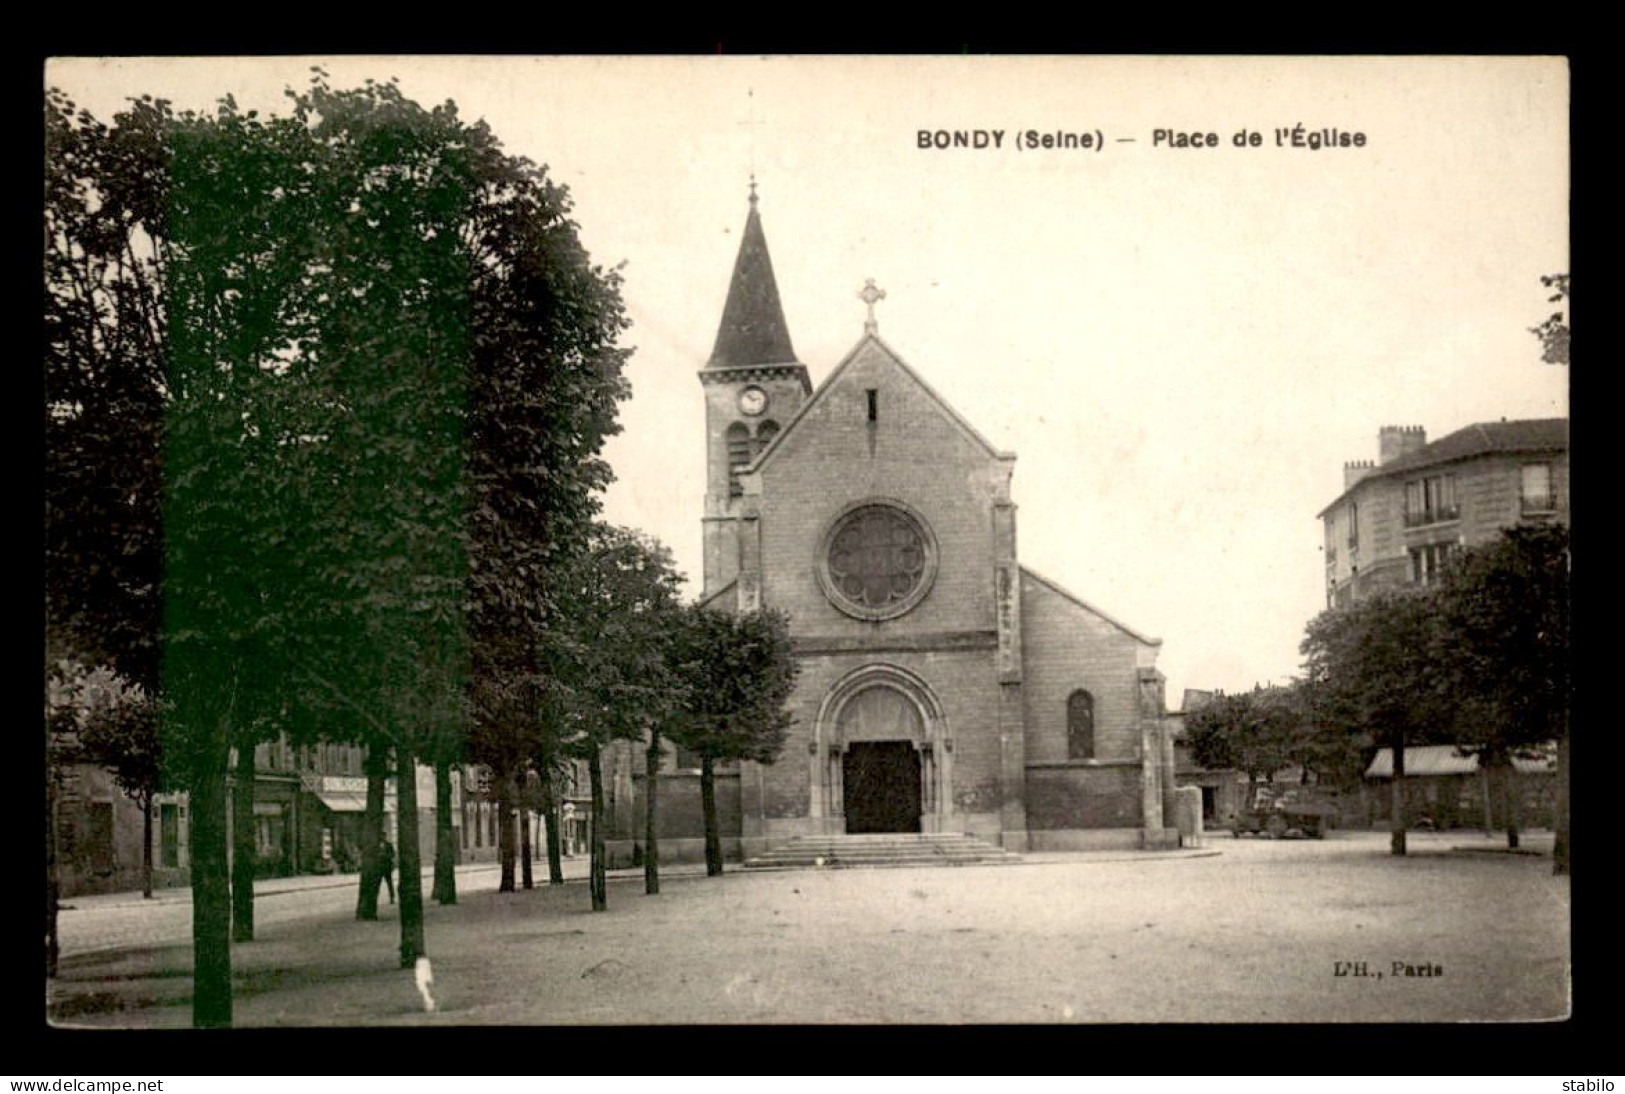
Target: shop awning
(340,801)
(1422,761)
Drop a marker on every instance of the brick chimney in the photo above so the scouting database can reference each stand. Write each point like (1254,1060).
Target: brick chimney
(1394,441)
(1355,470)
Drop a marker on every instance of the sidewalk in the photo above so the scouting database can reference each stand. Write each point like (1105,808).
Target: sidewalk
(1536,842)
(575,870)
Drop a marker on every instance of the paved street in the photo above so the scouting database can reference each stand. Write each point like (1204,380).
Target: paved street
(1262,931)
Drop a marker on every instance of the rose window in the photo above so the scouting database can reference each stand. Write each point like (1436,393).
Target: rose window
(877,562)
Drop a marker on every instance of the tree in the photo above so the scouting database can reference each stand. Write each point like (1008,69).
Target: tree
(608,655)
(239,247)
(1506,607)
(122,736)
(1254,733)
(104,383)
(285,333)
(73,696)
(1333,753)
(739,673)
(1554,331)
(444,890)
(544,385)
(1379,672)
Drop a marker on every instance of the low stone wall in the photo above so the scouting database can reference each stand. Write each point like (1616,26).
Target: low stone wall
(1061,797)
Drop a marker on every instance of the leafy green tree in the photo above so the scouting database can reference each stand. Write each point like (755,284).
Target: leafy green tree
(739,673)
(1379,670)
(1254,733)
(1554,331)
(1506,607)
(104,380)
(544,387)
(238,208)
(1329,751)
(607,655)
(338,352)
(123,737)
(307,305)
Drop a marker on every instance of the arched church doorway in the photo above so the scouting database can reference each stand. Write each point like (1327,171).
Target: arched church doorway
(882,782)
(881,763)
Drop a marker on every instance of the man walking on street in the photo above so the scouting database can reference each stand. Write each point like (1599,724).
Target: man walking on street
(386,866)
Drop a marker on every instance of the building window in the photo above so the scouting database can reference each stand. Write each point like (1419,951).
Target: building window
(877,560)
(874,403)
(1080,726)
(1535,488)
(268,836)
(739,455)
(1428,562)
(1354,526)
(1431,500)
(169,836)
(765,434)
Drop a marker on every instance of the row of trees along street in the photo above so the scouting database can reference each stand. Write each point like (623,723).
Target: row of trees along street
(1480,661)
(325,400)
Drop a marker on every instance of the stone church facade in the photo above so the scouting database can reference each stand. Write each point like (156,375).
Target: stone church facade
(944,687)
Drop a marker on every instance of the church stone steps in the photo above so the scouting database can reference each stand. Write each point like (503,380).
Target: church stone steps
(885,849)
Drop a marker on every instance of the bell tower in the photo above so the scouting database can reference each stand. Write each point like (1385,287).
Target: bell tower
(753,387)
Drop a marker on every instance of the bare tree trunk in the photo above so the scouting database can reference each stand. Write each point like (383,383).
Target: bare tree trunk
(1396,841)
(410,858)
(598,880)
(1514,802)
(243,845)
(52,886)
(211,882)
(550,809)
(527,876)
(445,837)
(708,806)
(372,832)
(146,847)
(525,879)
(505,852)
(651,805)
(1560,823)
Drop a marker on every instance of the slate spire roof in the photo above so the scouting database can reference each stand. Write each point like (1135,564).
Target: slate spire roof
(753,331)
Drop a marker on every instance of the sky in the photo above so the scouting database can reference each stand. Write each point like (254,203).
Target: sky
(1182,343)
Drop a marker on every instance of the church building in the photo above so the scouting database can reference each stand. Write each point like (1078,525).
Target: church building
(944,687)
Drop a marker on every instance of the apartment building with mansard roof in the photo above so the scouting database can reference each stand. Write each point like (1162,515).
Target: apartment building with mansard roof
(1400,517)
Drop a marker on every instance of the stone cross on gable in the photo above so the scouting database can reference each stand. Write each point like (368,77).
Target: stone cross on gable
(869,295)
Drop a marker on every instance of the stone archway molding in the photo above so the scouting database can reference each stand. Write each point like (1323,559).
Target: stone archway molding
(935,744)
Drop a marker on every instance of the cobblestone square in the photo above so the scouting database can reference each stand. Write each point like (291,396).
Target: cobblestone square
(1262,931)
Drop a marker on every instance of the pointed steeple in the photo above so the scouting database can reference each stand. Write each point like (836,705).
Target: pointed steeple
(753,331)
